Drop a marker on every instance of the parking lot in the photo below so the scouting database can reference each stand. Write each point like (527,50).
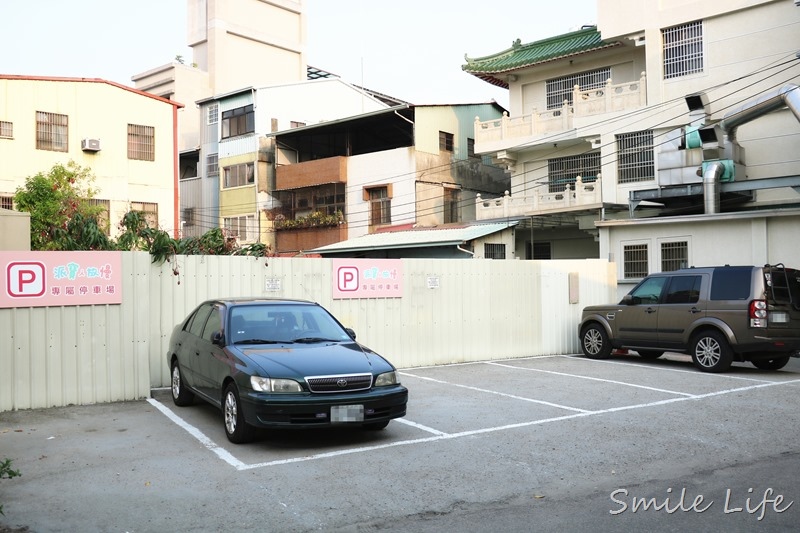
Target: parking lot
(545,437)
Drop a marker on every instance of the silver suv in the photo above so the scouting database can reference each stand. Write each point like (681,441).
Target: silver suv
(716,314)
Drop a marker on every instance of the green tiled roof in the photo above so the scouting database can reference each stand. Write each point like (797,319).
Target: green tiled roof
(526,55)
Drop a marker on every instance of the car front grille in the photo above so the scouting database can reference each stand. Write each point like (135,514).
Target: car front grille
(345,382)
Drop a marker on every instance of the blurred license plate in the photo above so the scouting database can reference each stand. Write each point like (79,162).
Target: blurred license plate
(347,413)
(779,317)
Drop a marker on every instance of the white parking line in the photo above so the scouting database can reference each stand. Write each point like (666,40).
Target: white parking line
(420,426)
(593,379)
(542,402)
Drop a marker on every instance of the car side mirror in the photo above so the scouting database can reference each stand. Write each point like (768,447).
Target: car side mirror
(351,332)
(218,338)
(630,300)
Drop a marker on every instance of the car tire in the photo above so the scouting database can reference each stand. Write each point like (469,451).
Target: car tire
(711,352)
(776,363)
(181,396)
(236,428)
(376,426)
(650,354)
(594,342)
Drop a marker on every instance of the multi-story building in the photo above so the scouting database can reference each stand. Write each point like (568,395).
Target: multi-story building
(403,166)
(126,137)
(659,138)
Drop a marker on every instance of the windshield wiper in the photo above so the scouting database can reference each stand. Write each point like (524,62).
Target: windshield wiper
(256,341)
(312,340)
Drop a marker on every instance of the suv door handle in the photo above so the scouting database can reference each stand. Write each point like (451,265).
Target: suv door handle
(694,310)
(649,310)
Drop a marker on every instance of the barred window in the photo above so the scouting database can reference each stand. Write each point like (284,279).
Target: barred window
(563,170)
(51,131)
(445,141)
(635,157)
(471,149)
(243,228)
(212,165)
(494,251)
(238,121)
(634,262)
(560,89)
(6,202)
(380,205)
(451,200)
(141,142)
(150,211)
(213,114)
(6,129)
(103,214)
(326,199)
(674,255)
(239,175)
(683,49)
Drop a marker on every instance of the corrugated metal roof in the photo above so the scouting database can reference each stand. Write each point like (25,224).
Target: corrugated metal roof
(526,55)
(417,238)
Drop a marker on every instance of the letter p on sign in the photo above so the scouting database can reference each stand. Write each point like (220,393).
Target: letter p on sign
(347,278)
(25,279)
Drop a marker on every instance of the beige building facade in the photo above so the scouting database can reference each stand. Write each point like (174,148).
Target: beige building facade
(128,138)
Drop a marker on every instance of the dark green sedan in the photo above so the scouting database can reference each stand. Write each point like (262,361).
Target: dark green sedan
(277,363)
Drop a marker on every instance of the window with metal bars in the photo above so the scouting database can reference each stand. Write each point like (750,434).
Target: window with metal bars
(150,211)
(212,165)
(6,202)
(683,49)
(635,157)
(450,199)
(6,129)
(242,227)
(380,206)
(560,89)
(445,141)
(494,251)
(141,142)
(213,114)
(52,131)
(103,214)
(471,149)
(634,261)
(674,255)
(238,121)
(561,171)
(239,175)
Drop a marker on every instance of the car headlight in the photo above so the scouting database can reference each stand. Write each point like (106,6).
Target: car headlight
(387,378)
(274,385)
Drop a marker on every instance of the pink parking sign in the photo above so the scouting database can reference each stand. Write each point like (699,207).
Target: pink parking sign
(51,279)
(367,278)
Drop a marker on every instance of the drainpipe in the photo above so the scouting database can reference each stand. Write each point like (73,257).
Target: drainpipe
(711,178)
(460,249)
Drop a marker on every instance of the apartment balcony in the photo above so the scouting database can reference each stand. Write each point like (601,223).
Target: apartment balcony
(575,196)
(311,173)
(507,132)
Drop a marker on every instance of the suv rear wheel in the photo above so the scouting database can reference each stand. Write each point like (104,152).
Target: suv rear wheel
(594,342)
(711,352)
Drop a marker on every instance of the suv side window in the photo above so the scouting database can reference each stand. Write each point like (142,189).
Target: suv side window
(731,283)
(683,290)
(649,291)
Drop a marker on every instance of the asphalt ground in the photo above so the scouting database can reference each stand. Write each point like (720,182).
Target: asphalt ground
(558,443)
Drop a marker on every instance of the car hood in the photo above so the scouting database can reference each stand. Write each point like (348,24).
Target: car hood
(321,359)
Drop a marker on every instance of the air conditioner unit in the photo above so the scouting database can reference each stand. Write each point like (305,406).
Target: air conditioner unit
(90,145)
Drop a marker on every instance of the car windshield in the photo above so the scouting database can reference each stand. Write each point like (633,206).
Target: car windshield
(283,323)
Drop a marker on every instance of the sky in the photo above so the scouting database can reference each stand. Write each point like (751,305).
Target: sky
(412,49)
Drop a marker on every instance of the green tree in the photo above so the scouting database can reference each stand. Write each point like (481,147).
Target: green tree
(62,217)
(6,472)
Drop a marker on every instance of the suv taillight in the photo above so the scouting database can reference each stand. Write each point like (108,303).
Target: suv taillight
(758,314)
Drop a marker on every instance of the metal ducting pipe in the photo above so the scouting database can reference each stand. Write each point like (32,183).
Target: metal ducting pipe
(788,95)
(711,177)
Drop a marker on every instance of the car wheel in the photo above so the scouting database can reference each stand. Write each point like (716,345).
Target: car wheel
(375,426)
(711,352)
(649,354)
(594,342)
(180,394)
(772,364)
(237,430)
